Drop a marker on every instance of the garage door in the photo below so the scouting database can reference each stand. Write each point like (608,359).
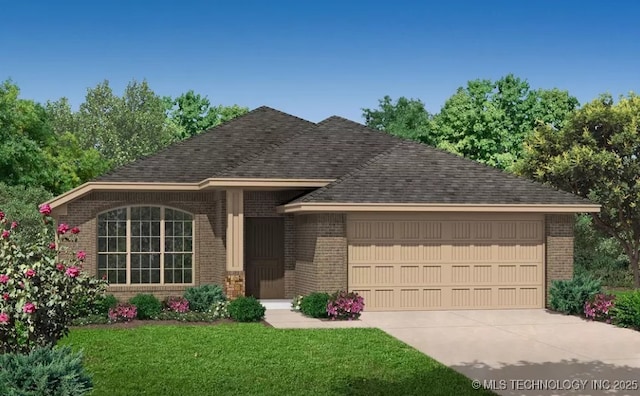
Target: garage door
(430,262)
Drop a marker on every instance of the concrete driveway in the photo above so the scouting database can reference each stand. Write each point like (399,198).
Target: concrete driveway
(523,352)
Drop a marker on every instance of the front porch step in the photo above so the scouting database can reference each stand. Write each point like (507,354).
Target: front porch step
(276,304)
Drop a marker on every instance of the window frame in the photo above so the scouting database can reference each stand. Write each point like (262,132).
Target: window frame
(162,252)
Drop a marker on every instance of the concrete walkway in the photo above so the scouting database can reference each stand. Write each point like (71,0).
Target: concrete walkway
(514,352)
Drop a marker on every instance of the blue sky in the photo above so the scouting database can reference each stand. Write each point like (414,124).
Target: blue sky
(318,58)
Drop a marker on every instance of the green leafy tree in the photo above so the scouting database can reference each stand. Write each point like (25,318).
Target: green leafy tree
(23,134)
(123,129)
(487,121)
(406,118)
(595,155)
(193,114)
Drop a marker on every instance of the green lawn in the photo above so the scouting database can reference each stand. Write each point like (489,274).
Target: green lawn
(250,359)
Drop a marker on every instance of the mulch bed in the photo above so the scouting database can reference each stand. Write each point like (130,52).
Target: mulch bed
(137,323)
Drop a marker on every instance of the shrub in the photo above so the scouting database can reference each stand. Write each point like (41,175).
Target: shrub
(315,305)
(105,303)
(345,305)
(44,371)
(148,306)
(177,304)
(123,312)
(246,309)
(626,312)
(201,298)
(599,307)
(295,303)
(220,310)
(569,296)
(40,279)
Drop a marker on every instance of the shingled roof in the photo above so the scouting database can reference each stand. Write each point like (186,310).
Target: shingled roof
(369,166)
(411,172)
(335,147)
(211,152)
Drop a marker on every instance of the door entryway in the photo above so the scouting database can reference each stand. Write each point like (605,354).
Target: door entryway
(264,257)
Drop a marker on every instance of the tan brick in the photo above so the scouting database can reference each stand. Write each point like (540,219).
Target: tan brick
(559,248)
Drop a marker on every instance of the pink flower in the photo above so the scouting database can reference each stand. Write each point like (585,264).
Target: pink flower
(29,308)
(75,230)
(4,278)
(30,273)
(21,284)
(81,255)
(45,209)
(60,267)
(63,228)
(14,225)
(5,234)
(72,271)
(5,296)
(4,318)
(1,215)
(52,245)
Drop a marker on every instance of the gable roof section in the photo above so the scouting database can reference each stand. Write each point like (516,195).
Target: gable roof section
(416,174)
(335,147)
(220,148)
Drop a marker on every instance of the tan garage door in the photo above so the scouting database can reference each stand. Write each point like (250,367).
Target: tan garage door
(430,262)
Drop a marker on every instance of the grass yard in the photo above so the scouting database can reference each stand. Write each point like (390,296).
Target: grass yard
(251,359)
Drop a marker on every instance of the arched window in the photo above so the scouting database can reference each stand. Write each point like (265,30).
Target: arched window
(145,245)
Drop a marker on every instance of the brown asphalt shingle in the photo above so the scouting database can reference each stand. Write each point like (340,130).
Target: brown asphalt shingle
(411,172)
(220,148)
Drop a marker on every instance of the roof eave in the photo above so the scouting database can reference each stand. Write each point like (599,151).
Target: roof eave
(310,207)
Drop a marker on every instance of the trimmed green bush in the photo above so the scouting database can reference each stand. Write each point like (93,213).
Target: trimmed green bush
(105,303)
(44,371)
(315,305)
(626,312)
(569,296)
(201,298)
(148,306)
(246,309)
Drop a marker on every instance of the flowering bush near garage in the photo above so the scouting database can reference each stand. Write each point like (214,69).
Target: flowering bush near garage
(341,305)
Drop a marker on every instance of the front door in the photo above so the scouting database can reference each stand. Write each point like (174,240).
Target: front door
(264,257)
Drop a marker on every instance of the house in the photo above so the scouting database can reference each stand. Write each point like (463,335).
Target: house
(273,206)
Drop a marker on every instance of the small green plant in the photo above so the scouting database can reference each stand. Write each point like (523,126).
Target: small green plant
(220,310)
(105,303)
(91,319)
(246,309)
(201,298)
(44,371)
(626,312)
(315,305)
(189,316)
(569,296)
(148,306)
(295,303)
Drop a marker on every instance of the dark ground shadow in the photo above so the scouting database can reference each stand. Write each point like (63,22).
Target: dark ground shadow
(572,376)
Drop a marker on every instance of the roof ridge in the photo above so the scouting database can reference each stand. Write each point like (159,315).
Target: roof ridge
(270,147)
(264,107)
(351,173)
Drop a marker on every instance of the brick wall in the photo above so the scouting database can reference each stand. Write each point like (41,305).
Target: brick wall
(559,248)
(321,253)
(209,247)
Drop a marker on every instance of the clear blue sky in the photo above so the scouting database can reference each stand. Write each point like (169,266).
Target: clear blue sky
(318,58)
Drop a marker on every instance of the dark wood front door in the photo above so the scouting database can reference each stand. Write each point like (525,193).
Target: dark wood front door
(264,257)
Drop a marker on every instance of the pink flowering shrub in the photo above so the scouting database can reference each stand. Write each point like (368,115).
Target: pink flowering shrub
(123,312)
(39,282)
(600,307)
(345,305)
(177,304)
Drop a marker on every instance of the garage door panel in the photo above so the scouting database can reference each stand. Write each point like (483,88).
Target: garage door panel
(451,297)
(437,264)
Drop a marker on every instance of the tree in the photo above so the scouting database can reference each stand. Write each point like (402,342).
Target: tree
(406,118)
(125,128)
(488,121)
(595,155)
(193,114)
(23,134)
